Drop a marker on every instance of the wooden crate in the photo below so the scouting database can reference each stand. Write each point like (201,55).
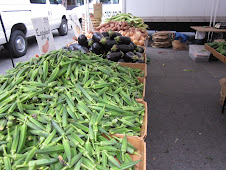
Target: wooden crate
(140,145)
(215,53)
(143,130)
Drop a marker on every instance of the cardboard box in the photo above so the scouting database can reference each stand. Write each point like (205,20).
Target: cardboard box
(140,145)
(97,8)
(141,66)
(199,53)
(143,130)
(215,53)
(223,90)
(143,81)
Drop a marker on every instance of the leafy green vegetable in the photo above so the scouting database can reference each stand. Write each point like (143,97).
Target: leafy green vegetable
(132,20)
(219,46)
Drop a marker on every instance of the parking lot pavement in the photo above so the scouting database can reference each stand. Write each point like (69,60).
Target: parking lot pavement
(5,61)
(186,129)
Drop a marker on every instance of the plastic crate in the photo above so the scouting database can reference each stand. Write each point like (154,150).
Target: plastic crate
(198,53)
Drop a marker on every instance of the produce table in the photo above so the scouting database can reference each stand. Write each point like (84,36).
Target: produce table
(71,108)
(215,53)
(207,29)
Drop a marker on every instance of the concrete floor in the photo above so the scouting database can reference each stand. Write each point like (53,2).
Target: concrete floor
(186,129)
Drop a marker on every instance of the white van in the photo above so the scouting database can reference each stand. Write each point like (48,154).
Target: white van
(16,24)
(109,8)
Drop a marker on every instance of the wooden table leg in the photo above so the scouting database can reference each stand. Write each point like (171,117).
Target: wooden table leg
(222,111)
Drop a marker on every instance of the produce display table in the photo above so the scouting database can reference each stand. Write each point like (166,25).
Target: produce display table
(207,29)
(86,84)
(215,53)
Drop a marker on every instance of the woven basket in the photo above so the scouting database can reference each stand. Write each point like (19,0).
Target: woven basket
(178,45)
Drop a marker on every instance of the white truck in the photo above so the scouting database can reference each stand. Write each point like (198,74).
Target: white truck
(163,13)
(16,25)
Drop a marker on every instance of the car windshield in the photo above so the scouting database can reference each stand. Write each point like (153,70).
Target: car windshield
(109,1)
(81,2)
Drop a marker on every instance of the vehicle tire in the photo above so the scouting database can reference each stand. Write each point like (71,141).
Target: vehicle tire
(17,43)
(80,20)
(63,27)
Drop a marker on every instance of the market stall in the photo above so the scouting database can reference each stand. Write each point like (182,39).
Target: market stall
(218,49)
(81,106)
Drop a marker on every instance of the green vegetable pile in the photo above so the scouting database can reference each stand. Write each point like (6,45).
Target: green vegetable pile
(132,20)
(219,46)
(58,111)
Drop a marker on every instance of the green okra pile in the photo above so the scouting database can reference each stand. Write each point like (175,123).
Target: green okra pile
(55,109)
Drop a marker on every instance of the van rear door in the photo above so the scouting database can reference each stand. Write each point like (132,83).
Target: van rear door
(57,11)
(39,8)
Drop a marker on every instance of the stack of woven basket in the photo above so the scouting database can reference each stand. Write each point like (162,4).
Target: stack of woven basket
(95,22)
(162,39)
(95,19)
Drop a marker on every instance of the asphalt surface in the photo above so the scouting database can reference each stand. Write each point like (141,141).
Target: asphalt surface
(186,129)
(60,41)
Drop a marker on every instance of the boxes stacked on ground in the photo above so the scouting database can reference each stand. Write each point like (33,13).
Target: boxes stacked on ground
(198,53)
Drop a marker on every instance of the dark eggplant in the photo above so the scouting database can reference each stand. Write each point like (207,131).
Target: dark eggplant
(140,49)
(123,39)
(84,49)
(74,46)
(139,60)
(65,48)
(91,48)
(108,38)
(82,40)
(130,56)
(113,34)
(114,56)
(71,48)
(90,42)
(131,47)
(109,44)
(105,34)
(134,45)
(123,48)
(121,60)
(96,48)
(139,55)
(98,37)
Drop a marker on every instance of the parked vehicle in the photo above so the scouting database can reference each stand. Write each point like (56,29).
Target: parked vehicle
(162,14)
(109,8)
(16,20)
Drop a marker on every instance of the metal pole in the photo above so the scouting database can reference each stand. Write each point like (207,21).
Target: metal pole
(3,28)
(211,19)
(111,10)
(214,20)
